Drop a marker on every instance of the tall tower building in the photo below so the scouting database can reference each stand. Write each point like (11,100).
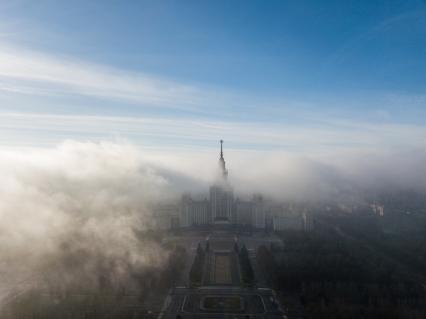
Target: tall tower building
(222,164)
(221,194)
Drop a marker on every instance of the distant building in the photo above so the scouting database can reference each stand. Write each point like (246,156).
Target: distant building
(286,222)
(166,216)
(222,195)
(244,212)
(222,208)
(378,209)
(289,217)
(194,212)
(221,201)
(308,222)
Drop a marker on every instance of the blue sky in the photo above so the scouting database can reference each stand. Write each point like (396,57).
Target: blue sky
(286,75)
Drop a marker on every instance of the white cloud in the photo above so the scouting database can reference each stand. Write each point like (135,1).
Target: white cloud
(332,135)
(36,73)
(80,201)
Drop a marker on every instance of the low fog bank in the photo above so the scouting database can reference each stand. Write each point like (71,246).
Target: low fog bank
(74,216)
(332,177)
(75,211)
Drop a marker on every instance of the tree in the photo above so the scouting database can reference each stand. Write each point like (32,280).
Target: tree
(196,272)
(247,273)
(236,248)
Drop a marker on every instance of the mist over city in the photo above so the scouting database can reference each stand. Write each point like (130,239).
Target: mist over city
(213,159)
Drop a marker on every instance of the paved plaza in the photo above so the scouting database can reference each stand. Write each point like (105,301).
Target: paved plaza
(222,294)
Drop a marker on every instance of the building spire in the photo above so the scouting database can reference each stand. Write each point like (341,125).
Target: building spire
(222,162)
(221,149)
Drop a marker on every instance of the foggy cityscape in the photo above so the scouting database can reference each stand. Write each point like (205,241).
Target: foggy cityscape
(212,159)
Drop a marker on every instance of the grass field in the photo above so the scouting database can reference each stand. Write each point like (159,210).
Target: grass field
(222,267)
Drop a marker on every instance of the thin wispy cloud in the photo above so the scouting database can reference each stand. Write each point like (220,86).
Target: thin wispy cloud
(27,72)
(330,136)
(291,124)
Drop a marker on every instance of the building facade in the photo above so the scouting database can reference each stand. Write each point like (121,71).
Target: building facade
(194,212)
(221,203)
(222,208)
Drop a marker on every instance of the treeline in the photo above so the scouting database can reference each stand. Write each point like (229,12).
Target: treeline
(247,274)
(404,241)
(173,269)
(197,268)
(108,298)
(336,278)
